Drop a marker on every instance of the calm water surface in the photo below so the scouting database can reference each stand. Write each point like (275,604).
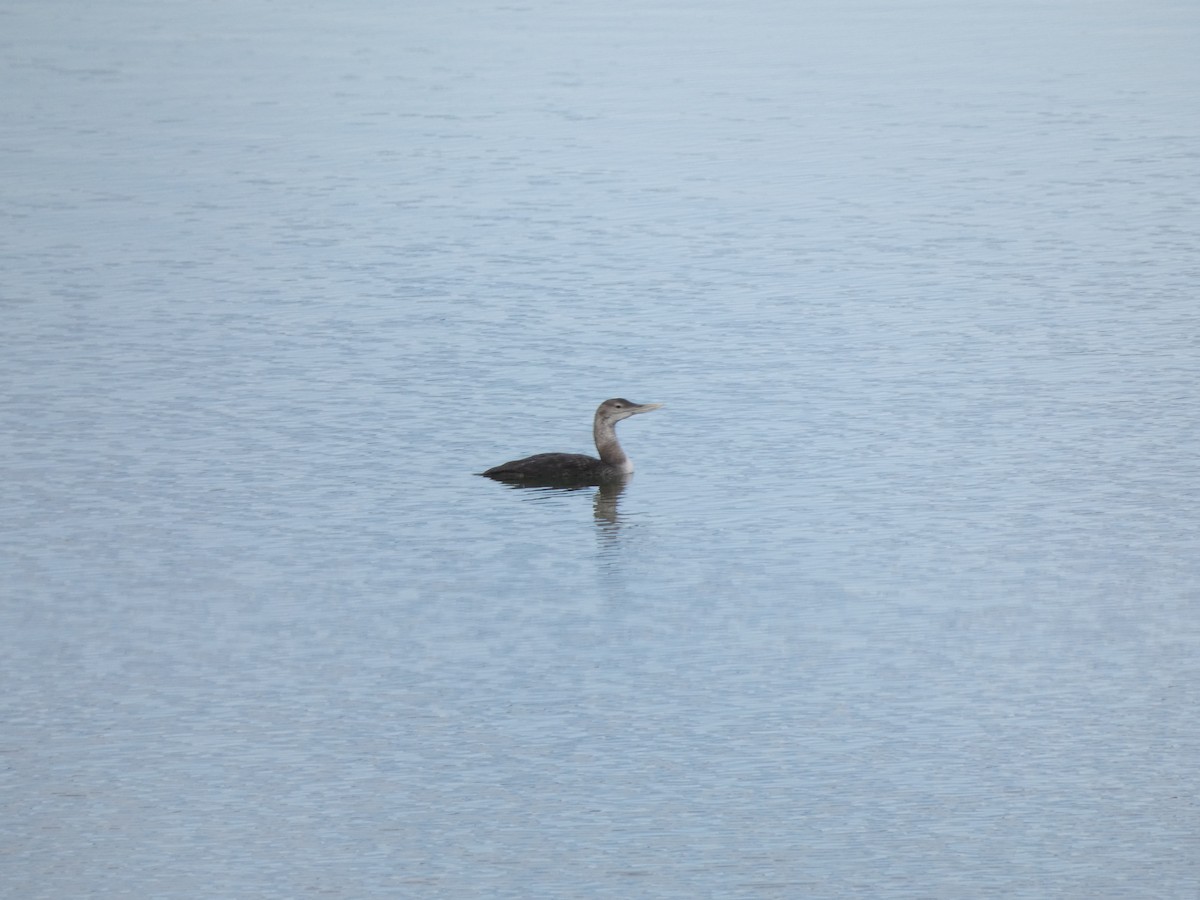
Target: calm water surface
(903,600)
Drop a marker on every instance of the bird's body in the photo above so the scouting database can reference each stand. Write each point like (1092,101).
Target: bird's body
(577,468)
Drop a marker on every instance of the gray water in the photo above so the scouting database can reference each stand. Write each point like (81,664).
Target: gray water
(903,600)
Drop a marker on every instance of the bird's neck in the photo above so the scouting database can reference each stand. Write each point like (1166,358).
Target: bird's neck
(609,447)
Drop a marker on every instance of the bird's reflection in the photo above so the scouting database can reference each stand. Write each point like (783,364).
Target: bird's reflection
(605,502)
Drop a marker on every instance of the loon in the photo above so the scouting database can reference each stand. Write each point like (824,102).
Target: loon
(576,468)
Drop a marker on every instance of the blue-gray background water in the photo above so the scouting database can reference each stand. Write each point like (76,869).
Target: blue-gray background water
(903,600)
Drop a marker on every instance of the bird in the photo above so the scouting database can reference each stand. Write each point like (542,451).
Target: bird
(578,468)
